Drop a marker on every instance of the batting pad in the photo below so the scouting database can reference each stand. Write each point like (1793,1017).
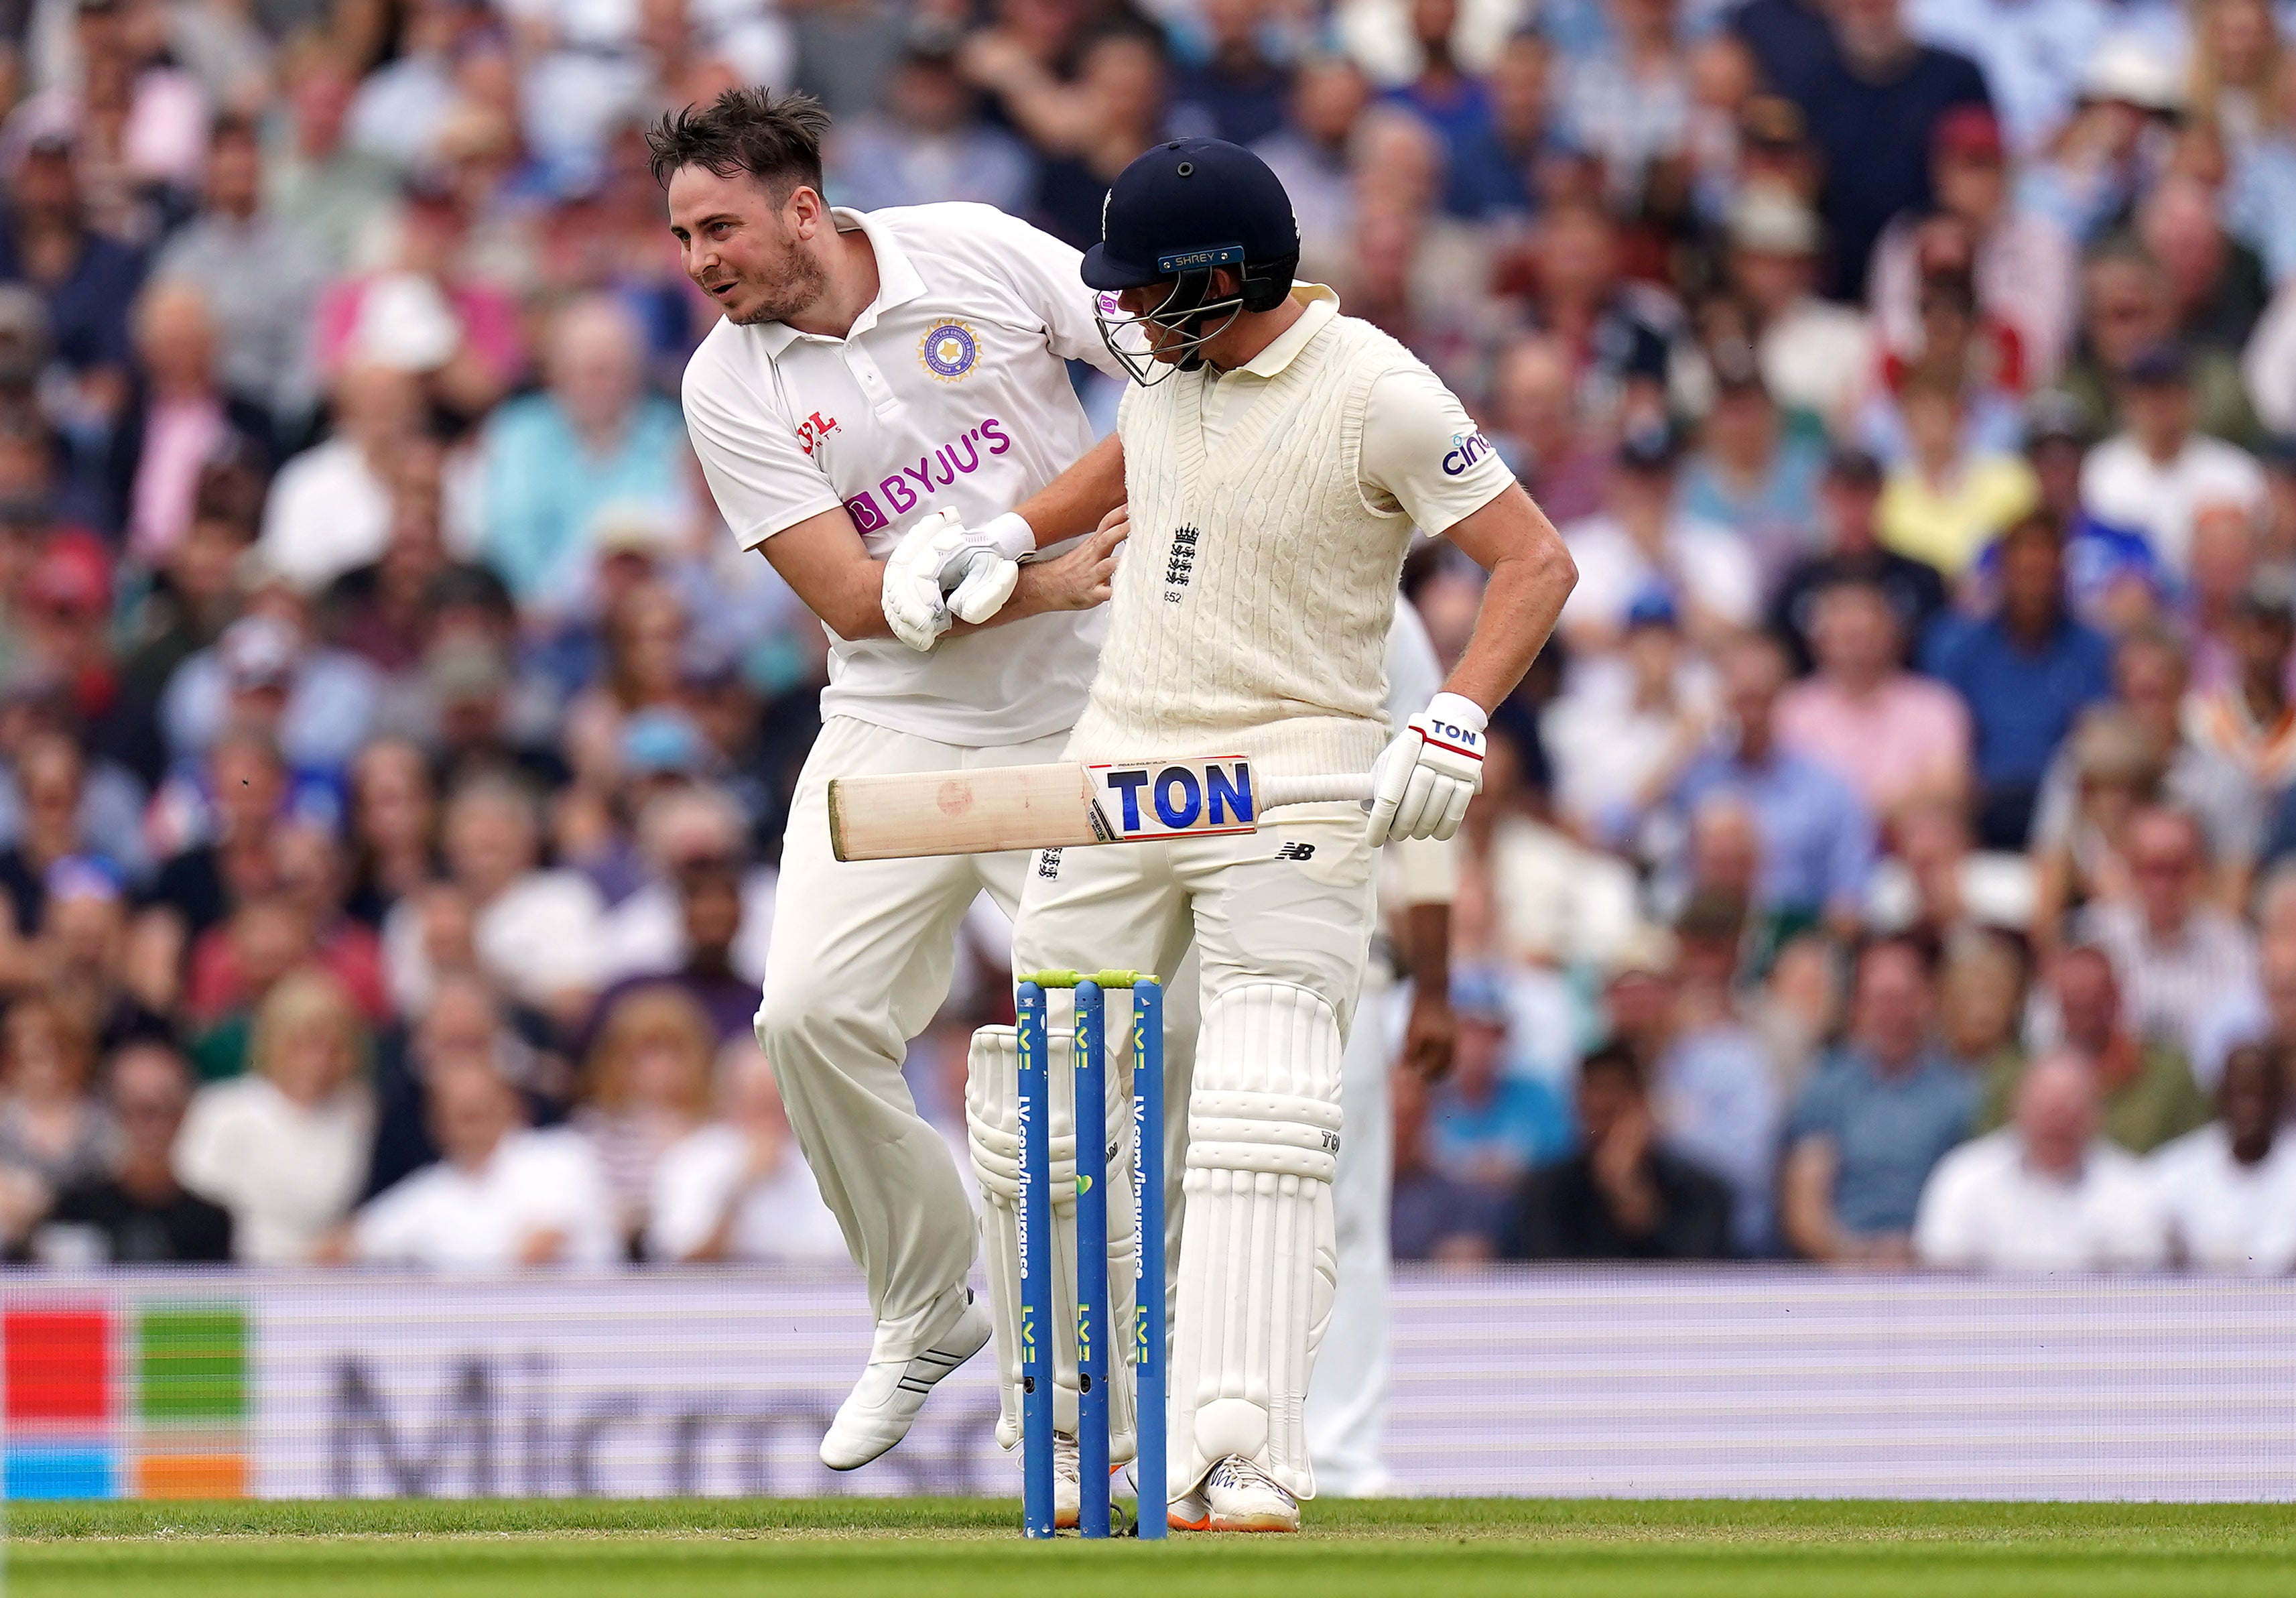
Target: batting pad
(992,1117)
(1258,1254)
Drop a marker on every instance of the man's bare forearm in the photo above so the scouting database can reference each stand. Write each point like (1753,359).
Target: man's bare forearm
(1531,575)
(1805,1199)
(1428,954)
(1073,502)
(1077,579)
(1038,592)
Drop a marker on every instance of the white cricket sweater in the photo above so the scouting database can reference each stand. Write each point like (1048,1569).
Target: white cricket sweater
(1251,612)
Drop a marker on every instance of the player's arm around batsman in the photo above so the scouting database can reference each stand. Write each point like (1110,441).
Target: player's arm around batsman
(874,373)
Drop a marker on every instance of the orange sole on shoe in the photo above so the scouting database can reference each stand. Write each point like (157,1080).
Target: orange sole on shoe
(1173,1520)
(1265,1525)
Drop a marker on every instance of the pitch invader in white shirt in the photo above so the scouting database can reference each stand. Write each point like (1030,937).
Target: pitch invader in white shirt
(873,376)
(1276,455)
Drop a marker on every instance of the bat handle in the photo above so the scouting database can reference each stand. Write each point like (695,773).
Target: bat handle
(1277,791)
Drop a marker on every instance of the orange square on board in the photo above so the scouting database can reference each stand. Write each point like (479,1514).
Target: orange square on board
(191,1476)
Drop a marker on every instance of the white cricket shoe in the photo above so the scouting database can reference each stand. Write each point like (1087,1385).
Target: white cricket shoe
(878,1411)
(1239,1496)
(1068,1483)
(1189,1511)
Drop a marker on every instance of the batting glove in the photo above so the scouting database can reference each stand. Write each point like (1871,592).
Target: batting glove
(980,577)
(1424,779)
(914,606)
(944,569)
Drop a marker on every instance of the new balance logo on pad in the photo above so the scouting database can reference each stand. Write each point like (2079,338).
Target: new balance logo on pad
(1296,851)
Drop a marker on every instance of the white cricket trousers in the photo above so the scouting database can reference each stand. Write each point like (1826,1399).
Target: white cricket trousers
(861,959)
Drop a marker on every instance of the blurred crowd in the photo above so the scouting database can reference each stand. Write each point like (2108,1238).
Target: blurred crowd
(1891,861)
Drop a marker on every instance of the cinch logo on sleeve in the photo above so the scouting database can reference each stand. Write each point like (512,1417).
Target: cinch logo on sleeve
(1466,449)
(1174,798)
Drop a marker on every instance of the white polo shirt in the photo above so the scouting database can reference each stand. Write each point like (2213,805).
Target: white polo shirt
(781,1216)
(445,1218)
(2224,1215)
(949,392)
(2122,485)
(1983,1209)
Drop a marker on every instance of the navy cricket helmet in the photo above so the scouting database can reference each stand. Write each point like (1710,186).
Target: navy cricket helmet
(1176,215)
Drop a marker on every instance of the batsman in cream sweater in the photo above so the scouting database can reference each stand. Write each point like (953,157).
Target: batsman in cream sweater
(1277,454)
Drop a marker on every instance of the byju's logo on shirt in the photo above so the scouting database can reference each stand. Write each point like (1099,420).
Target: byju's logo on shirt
(948,350)
(1466,449)
(942,468)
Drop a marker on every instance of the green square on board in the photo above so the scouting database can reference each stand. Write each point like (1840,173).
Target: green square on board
(191,1362)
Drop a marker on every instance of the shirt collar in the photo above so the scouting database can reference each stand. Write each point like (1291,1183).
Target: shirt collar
(898,283)
(1321,306)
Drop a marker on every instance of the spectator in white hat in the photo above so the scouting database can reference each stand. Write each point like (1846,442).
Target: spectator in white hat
(1815,354)
(2131,93)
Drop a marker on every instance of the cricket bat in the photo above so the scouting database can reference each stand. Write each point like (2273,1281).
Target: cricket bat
(901,815)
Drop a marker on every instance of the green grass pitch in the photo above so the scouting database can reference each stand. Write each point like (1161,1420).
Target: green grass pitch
(1422,1548)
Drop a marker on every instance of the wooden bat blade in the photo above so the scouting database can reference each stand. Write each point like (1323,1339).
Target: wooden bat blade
(900,815)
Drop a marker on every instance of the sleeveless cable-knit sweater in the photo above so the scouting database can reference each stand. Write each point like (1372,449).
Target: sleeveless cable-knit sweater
(1251,610)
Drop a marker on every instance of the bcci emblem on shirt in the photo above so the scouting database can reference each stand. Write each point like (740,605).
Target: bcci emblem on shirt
(948,350)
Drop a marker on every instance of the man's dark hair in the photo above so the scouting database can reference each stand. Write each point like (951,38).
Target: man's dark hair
(234,125)
(774,139)
(2034,527)
(1854,583)
(1613,1055)
(1924,948)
